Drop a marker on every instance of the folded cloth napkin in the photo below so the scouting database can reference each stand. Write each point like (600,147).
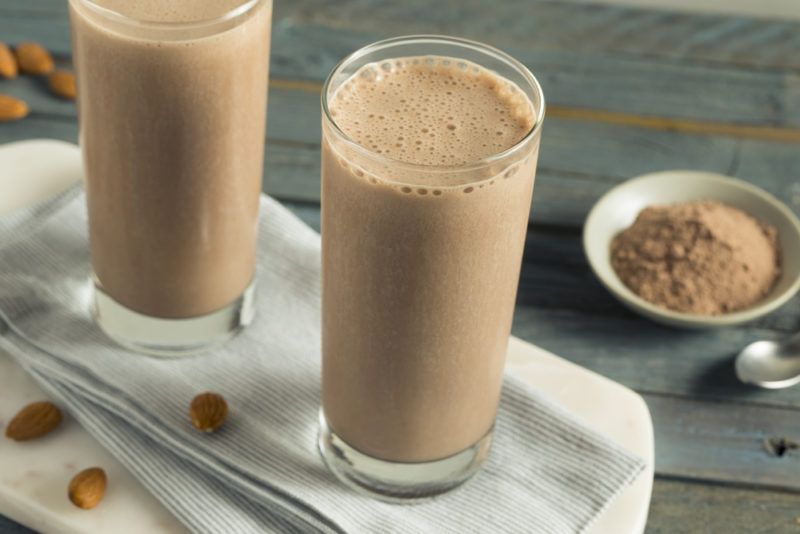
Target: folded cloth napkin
(547,472)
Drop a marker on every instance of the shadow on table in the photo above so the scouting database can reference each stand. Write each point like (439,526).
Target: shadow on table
(721,376)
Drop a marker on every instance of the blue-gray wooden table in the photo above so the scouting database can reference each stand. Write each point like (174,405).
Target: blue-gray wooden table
(629,91)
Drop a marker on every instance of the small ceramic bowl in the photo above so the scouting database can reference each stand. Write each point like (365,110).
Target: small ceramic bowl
(618,208)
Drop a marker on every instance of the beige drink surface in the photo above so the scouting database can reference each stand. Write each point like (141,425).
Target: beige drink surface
(421,263)
(171,10)
(423,111)
(172,129)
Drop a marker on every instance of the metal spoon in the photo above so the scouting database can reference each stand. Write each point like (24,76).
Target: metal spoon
(770,364)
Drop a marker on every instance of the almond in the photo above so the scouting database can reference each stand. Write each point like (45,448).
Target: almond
(33,421)
(62,83)
(208,411)
(33,58)
(8,63)
(86,489)
(12,108)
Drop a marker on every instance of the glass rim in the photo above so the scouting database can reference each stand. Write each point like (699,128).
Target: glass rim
(118,17)
(445,39)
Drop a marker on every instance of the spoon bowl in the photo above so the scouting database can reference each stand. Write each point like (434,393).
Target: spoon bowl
(770,364)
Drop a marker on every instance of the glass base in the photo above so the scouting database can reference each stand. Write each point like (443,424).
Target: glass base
(398,482)
(171,337)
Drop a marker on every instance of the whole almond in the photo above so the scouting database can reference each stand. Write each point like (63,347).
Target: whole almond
(33,421)
(12,109)
(86,489)
(33,58)
(208,411)
(8,63)
(62,83)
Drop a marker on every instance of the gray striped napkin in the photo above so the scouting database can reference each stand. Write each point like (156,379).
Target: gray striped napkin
(547,472)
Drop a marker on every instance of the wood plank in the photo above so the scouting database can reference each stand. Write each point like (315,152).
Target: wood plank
(9,527)
(34,126)
(679,507)
(572,77)
(586,79)
(649,357)
(562,25)
(45,9)
(684,37)
(291,172)
(47,25)
(768,133)
(726,442)
(555,276)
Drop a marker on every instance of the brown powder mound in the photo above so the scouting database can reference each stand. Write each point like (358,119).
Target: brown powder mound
(704,258)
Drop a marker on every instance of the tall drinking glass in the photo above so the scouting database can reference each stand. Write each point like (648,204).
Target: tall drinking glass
(172,109)
(429,150)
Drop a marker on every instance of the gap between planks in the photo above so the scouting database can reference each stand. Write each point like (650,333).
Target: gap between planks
(728,400)
(764,133)
(731,484)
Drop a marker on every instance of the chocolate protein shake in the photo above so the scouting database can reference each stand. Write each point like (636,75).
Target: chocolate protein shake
(423,229)
(172,104)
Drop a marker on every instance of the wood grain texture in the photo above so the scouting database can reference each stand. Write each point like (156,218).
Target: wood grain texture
(9,527)
(578,77)
(743,41)
(584,79)
(685,508)
(567,26)
(725,442)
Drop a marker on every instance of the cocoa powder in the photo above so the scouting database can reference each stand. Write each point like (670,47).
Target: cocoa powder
(703,257)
